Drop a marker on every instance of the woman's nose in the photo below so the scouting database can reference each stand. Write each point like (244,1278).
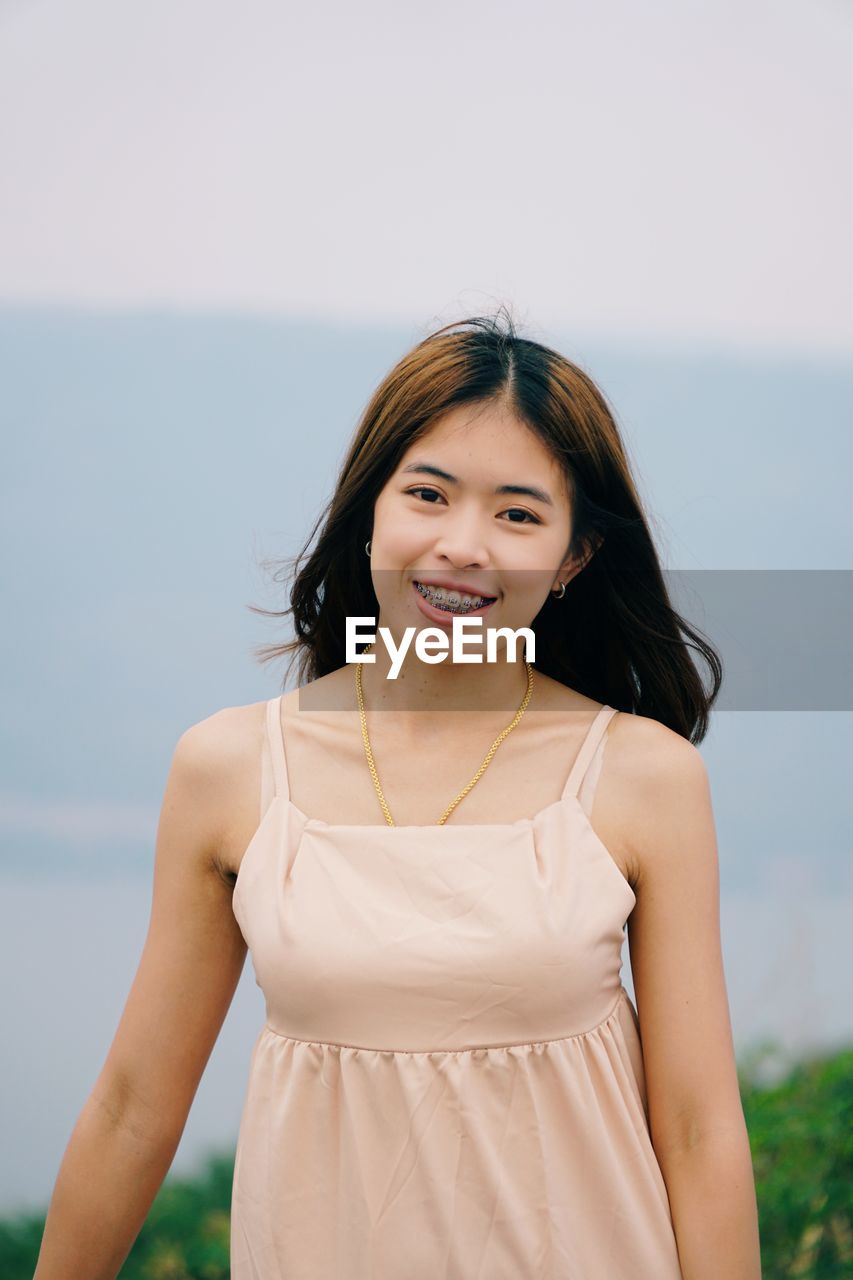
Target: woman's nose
(463,541)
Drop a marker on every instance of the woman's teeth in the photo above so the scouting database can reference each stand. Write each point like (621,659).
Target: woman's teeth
(451,601)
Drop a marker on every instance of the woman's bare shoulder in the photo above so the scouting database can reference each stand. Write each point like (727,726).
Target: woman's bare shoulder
(645,765)
(225,750)
(645,749)
(226,737)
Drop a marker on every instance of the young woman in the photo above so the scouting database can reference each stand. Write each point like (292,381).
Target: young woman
(433,873)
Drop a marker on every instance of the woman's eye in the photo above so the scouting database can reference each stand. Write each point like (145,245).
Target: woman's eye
(422,489)
(529,518)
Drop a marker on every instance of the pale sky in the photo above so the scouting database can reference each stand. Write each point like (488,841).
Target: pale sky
(671,171)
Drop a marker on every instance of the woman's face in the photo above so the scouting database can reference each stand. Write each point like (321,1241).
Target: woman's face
(456,528)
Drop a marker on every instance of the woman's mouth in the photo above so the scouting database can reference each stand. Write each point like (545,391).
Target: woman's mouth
(442,604)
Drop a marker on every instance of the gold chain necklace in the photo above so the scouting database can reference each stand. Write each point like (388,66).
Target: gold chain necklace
(482,769)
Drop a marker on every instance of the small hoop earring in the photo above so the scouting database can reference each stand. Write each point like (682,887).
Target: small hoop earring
(558,595)
(367,545)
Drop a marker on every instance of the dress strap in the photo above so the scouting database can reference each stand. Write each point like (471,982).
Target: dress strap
(275,746)
(589,746)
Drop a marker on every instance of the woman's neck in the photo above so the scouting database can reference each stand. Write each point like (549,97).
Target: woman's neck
(425,690)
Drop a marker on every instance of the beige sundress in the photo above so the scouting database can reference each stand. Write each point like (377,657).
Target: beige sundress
(449,1081)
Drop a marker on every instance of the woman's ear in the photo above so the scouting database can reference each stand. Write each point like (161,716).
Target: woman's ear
(572,566)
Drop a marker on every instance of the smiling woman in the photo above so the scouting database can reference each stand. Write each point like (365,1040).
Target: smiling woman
(488,417)
(451,1079)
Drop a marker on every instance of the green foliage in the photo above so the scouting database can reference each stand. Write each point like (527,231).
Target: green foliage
(185,1235)
(801,1136)
(20,1240)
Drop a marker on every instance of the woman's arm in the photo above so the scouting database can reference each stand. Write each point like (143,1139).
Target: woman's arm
(130,1126)
(695,1111)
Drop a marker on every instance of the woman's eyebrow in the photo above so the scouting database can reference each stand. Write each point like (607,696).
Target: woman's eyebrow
(525,490)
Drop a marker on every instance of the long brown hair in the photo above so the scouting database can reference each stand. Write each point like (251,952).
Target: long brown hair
(614,636)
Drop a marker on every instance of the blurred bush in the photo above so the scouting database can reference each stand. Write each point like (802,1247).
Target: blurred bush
(184,1237)
(801,1136)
